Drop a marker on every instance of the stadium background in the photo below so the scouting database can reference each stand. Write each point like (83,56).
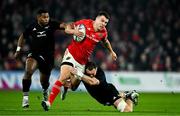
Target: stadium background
(143,33)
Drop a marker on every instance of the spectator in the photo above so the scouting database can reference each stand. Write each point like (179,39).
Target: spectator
(138,28)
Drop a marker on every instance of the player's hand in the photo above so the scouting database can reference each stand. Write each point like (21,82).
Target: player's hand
(73,71)
(96,81)
(17,54)
(76,72)
(78,33)
(114,56)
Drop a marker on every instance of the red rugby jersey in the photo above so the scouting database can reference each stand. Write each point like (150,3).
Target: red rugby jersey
(81,51)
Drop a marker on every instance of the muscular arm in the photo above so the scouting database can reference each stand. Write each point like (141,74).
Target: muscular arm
(87,79)
(19,45)
(109,47)
(90,80)
(62,25)
(21,41)
(69,29)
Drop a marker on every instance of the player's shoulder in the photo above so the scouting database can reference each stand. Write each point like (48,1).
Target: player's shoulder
(100,70)
(85,21)
(31,25)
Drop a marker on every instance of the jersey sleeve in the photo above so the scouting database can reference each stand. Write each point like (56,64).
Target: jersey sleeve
(27,30)
(55,24)
(80,22)
(105,34)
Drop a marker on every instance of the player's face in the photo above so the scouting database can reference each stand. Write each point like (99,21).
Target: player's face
(91,72)
(101,22)
(43,19)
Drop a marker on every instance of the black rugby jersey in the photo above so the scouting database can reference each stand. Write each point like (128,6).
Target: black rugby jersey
(97,90)
(41,38)
(105,92)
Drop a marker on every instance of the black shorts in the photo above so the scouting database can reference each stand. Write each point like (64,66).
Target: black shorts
(105,94)
(45,62)
(111,95)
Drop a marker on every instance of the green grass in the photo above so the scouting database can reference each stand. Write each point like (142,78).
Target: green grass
(80,103)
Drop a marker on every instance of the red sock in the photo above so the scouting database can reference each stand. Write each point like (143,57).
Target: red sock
(54,92)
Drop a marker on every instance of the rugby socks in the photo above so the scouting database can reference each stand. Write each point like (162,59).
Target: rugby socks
(26,85)
(55,91)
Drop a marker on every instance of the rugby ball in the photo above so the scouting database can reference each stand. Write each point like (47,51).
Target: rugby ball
(82,29)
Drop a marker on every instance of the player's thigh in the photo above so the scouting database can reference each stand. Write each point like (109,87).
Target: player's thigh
(31,65)
(65,72)
(69,60)
(45,69)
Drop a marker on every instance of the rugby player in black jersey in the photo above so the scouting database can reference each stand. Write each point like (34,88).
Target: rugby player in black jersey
(40,37)
(104,92)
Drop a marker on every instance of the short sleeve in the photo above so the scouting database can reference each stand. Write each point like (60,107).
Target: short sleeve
(80,22)
(27,30)
(105,33)
(55,24)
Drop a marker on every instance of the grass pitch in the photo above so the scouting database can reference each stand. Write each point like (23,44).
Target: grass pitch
(81,104)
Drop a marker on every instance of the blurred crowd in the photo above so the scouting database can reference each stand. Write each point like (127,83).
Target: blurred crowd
(145,34)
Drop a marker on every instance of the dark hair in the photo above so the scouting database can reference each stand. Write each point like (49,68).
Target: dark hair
(90,65)
(40,11)
(104,13)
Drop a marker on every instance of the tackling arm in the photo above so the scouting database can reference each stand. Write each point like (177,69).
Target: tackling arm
(90,80)
(69,29)
(87,79)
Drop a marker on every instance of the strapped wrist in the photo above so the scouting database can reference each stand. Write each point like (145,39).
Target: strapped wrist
(18,49)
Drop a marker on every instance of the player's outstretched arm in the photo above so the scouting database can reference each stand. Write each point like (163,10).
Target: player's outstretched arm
(62,25)
(19,46)
(69,29)
(109,47)
(87,79)
(90,80)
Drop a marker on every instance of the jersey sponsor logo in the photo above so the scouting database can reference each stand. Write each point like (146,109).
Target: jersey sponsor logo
(41,34)
(92,37)
(100,35)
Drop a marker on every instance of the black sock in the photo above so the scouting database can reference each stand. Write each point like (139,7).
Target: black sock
(127,94)
(45,86)
(26,85)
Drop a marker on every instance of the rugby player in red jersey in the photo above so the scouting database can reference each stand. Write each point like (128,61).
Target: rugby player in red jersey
(78,53)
